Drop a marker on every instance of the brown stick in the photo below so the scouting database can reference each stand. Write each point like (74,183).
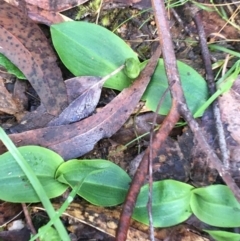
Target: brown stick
(212,89)
(167,125)
(28,219)
(125,218)
(142,171)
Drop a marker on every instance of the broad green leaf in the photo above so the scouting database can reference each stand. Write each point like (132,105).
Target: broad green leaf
(10,67)
(75,171)
(216,205)
(15,187)
(103,182)
(170,203)
(223,235)
(89,49)
(194,87)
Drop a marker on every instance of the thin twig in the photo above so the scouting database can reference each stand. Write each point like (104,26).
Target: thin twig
(141,172)
(99,11)
(150,192)
(212,89)
(140,175)
(28,219)
(150,170)
(184,26)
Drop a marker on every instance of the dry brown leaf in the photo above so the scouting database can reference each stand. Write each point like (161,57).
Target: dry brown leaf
(84,105)
(46,11)
(25,45)
(79,93)
(74,140)
(8,104)
(56,5)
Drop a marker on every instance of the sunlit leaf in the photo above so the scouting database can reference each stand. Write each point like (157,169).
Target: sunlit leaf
(103,182)
(216,205)
(96,53)
(170,203)
(223,235)
(15,186)
(194,87)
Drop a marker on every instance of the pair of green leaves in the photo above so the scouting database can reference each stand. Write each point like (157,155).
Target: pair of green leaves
(56,176)
(99,52)
(174,202)
(105,184)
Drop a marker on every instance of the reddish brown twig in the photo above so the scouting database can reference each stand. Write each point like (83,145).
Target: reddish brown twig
(142,171)
(166,127)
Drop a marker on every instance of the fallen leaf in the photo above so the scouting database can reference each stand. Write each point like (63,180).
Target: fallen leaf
(24,44)
(229,108)
(8,104)
(46,17)
(57,5)
(46,11)
(32,120)
(213,24)
(19,92)
(76,139)
(83,105)
(76,87)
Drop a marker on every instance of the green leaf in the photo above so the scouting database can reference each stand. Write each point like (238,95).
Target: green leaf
(76,171)
(216,205)
(170,203)
(10,67)
(194,87)
(15,186)
(89,49)
(104,183)
(50,235)
(223,235)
